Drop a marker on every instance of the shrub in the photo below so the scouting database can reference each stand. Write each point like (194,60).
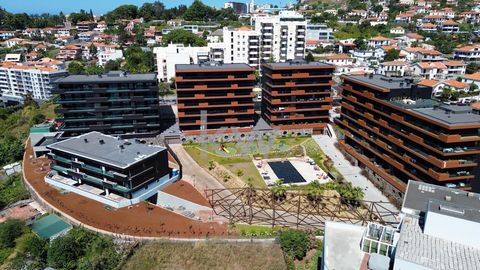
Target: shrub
(295,243)
(9,231)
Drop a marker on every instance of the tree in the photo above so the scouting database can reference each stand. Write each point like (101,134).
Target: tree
(112,65)
(198,11)
(64,252)
(309,57)
(392,55)
(294,243)
(183,36)
(93,49)
(33,247)
(279,190)
(472,68)
(76,68)
(123,12)
(94,70)
(9,231)
(315,191)
(360,44)
(138,60)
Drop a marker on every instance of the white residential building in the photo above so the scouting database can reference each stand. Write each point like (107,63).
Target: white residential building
(17,81)
(319,32)
(455,68)
(242,45)
(430,70)
(467,53)
(7,34)
(110,54)
(173,54)
(393,68)
(378,41)
(282,37)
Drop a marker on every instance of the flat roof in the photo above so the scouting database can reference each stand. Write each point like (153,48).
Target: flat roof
(49,226)
(211,66)
(298,64)
(109,77)
(342,248)
(423,197)
(383,81)
(455,116)
(113,151)
(433,252)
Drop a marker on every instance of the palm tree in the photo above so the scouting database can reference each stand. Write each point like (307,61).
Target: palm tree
(315,191)
(279,190)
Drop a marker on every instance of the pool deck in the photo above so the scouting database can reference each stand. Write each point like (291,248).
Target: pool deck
(307,171)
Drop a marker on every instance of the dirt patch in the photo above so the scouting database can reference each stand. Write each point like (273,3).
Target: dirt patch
(185,191)
(139,220)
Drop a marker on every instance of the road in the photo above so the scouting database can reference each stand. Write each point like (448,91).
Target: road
(351,173)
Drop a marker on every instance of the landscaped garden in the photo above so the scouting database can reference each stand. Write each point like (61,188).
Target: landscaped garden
(232,161)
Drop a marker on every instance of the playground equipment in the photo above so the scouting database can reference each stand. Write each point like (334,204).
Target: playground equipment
(223,148)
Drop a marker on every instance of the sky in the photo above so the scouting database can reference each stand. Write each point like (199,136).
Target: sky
(98,6)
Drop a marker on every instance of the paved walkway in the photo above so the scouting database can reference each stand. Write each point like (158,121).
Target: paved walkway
(351,173)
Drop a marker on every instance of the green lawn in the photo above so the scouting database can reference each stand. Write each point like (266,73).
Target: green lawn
(206,255)
(240,155)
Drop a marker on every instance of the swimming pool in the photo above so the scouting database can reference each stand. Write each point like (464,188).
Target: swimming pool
(287,172)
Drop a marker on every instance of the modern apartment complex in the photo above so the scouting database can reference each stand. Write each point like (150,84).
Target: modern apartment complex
(115,103)
(319,32)
(17,81)
(112,171)
(394,129)
(282,37)
(213,96)
(297,94)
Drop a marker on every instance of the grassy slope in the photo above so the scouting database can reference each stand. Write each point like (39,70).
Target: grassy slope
(210,255)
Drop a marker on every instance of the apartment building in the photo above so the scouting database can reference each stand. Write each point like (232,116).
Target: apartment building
(114,103)
(242,45)
(320,32)
(215,97)
(174,54)
(282,37)
(394,130)
(17,81)
(297,95)
(85,26)
(104,168)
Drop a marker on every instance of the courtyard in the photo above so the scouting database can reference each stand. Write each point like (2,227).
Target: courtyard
(235,164)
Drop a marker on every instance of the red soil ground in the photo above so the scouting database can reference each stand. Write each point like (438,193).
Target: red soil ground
(184,190)
(140,220)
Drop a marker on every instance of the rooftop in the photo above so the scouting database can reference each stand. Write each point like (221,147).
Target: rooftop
(50,226)
(433,252)
(450,114)
(382,81)
(423,197)
(106,149)
(211,66)
(342,241)
(298,64)
(112,76)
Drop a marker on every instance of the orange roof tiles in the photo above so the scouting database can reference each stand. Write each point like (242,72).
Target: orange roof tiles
(338,57)
(432,65)
(456,84)
(450,22)
(379,38)
(394,63)
(429,83)
(474,76)
(454,63)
